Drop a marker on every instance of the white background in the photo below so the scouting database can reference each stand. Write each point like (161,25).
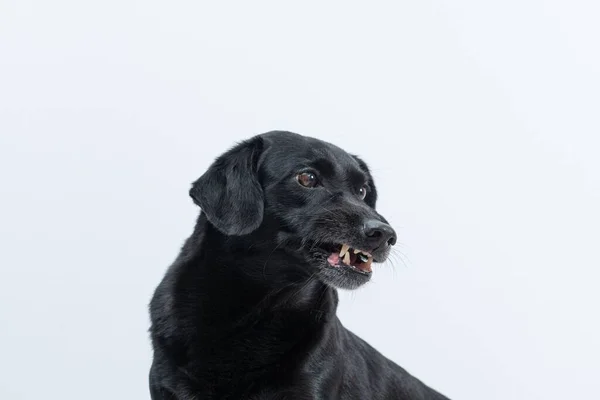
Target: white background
(479,119)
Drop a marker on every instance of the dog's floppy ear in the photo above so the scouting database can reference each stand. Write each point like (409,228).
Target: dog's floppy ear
(371,198)
(229,192)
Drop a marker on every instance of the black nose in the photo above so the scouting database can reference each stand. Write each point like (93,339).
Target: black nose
(379,233)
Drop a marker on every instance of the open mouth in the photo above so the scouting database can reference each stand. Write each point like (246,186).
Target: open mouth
(355,259)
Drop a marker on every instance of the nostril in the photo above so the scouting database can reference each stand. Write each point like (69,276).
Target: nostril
(379,233)
(375,234)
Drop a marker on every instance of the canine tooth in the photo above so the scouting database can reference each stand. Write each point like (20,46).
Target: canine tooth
(347,258)
(344,250)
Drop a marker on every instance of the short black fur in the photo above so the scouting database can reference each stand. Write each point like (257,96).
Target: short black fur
(248,309)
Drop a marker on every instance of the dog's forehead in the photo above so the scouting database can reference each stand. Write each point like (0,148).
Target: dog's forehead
(290,150)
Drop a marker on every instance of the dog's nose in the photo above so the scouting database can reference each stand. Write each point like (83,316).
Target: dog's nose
(379,233)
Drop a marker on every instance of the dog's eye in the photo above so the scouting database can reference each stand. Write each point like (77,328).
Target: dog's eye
(362,192)
(307,179)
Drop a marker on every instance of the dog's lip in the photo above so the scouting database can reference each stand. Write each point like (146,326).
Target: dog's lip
(336,247)
(362,268)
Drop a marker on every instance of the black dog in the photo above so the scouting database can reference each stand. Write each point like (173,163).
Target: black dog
(248,309)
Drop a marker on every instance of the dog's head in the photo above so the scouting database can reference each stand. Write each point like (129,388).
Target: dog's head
(311,199)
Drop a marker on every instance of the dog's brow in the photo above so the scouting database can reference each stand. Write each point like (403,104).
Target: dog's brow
(357,177)
(324,166)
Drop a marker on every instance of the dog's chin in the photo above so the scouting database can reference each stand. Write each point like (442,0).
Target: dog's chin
(342,277)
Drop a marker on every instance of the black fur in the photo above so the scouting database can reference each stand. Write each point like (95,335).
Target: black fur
(248,309)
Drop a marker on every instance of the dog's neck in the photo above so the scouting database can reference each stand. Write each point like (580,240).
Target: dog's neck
(236,281)
(250,313)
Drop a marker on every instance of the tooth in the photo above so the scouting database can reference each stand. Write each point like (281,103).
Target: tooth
(356,251)
(347,259)
(344,250)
